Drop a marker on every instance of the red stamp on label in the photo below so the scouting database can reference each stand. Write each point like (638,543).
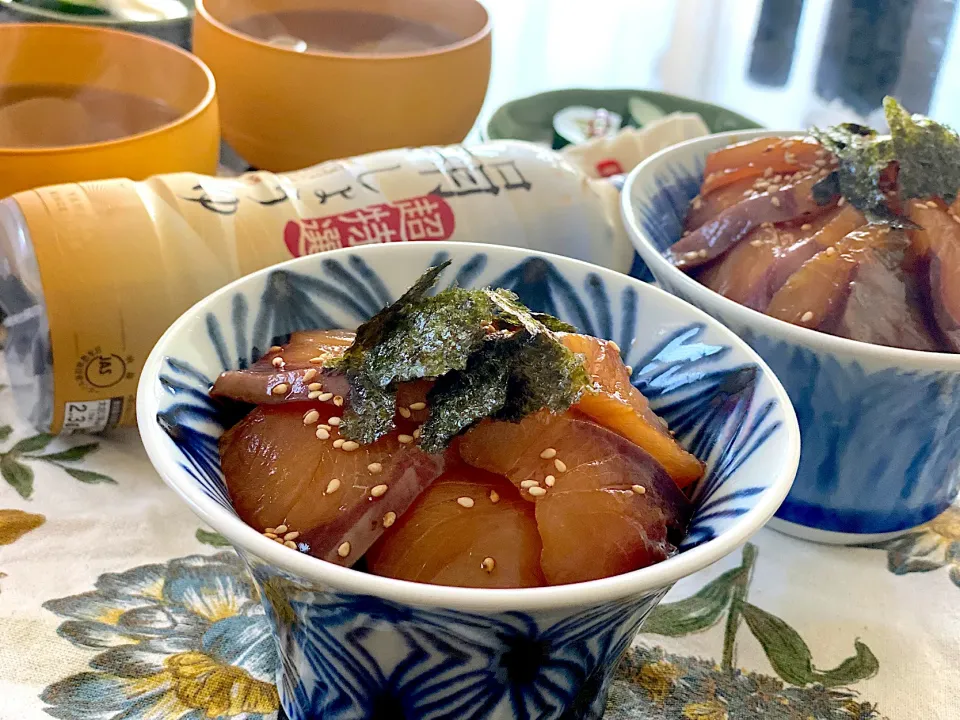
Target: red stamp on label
(428,217)
(608,167)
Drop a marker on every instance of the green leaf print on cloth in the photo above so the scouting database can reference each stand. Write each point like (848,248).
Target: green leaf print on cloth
(652,684)
(19,475)
(929,547)
(183,640)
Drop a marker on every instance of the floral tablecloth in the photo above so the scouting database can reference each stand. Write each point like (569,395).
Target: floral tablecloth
(115,603)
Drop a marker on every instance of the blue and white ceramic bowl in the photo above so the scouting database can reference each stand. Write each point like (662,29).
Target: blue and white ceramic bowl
(363,647)
(880,425)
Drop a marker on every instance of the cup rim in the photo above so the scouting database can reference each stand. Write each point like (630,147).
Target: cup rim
(202,11)
(198,109)
(819,341)
(655,577)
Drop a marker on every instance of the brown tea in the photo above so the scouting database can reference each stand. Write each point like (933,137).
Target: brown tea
(346,31)
(33,116)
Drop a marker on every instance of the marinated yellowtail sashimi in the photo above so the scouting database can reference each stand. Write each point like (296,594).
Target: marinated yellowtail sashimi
(615,403)
(766,158)
(470,528)
(287,466)
(939,238)
(293,372)
(604,506)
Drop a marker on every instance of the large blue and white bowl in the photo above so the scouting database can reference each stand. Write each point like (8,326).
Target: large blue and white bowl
(880,425)
(362,647)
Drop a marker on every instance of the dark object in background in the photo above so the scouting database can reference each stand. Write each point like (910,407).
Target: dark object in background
(174,28)
(775,42)
(870,44)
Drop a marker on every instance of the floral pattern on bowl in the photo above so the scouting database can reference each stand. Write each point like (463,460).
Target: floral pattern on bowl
(357,646)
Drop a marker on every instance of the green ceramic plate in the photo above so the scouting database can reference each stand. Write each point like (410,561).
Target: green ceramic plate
(531,118)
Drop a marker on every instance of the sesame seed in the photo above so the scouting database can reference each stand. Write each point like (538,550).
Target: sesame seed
(537,491)
(418,406)
(806,226)
(338,400)
(768,172)
(323,434)
(697,203)
(333,486)
(775,201)
(788,143)
(290,544)
(275,348)
(807,316)
(277,362)
(403,412)
(932,204)
(272,536)
(629,369)
(831,251)
(325,426)
(776,178)
(405,439)
(702,253)
(841,202)
(747,193)
(639,489)
(375,467)
(529,483)
(691,255)
(465,501)
(821,153)
(955,218)
(291,535)
(277,540)
(494,497)
(310,417)
(773,188)
(548,454)
(334,420)
(313,395)
(560,465)
(389,519)
(309,375)
(316,360)
(761,184)
(789,158)
(338,443)
(280,389)
(350,446)
(488,564)
(281,529)
(417,433)
(343,550)
(314,386)
(612,344)
(324,397)
(821,163)
(756,243)
(269,530)
(549,480)
(379,490)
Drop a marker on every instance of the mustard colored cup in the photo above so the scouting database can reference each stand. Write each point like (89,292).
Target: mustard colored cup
(56,54)
(284,110)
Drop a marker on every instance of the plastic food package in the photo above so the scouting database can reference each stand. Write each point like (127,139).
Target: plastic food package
(93,273)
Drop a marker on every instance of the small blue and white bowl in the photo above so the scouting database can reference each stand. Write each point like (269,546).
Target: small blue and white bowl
(880,425)
(360,647)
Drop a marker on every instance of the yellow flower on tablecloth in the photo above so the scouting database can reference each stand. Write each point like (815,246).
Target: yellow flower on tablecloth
(929,547)
(185,639)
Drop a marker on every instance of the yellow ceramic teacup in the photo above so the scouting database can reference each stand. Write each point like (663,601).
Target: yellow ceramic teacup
(110,60)
(284,109)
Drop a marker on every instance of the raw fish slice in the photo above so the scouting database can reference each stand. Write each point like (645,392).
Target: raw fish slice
(751,158)
(940,237)
(880,308)
(707,207)
(617,405)
(755,269)
(791,203)
(279,472)
(258,384)
(816,294)
(486,545)
(604,505)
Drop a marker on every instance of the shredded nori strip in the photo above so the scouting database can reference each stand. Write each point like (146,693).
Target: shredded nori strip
(924,153)
(490,355)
